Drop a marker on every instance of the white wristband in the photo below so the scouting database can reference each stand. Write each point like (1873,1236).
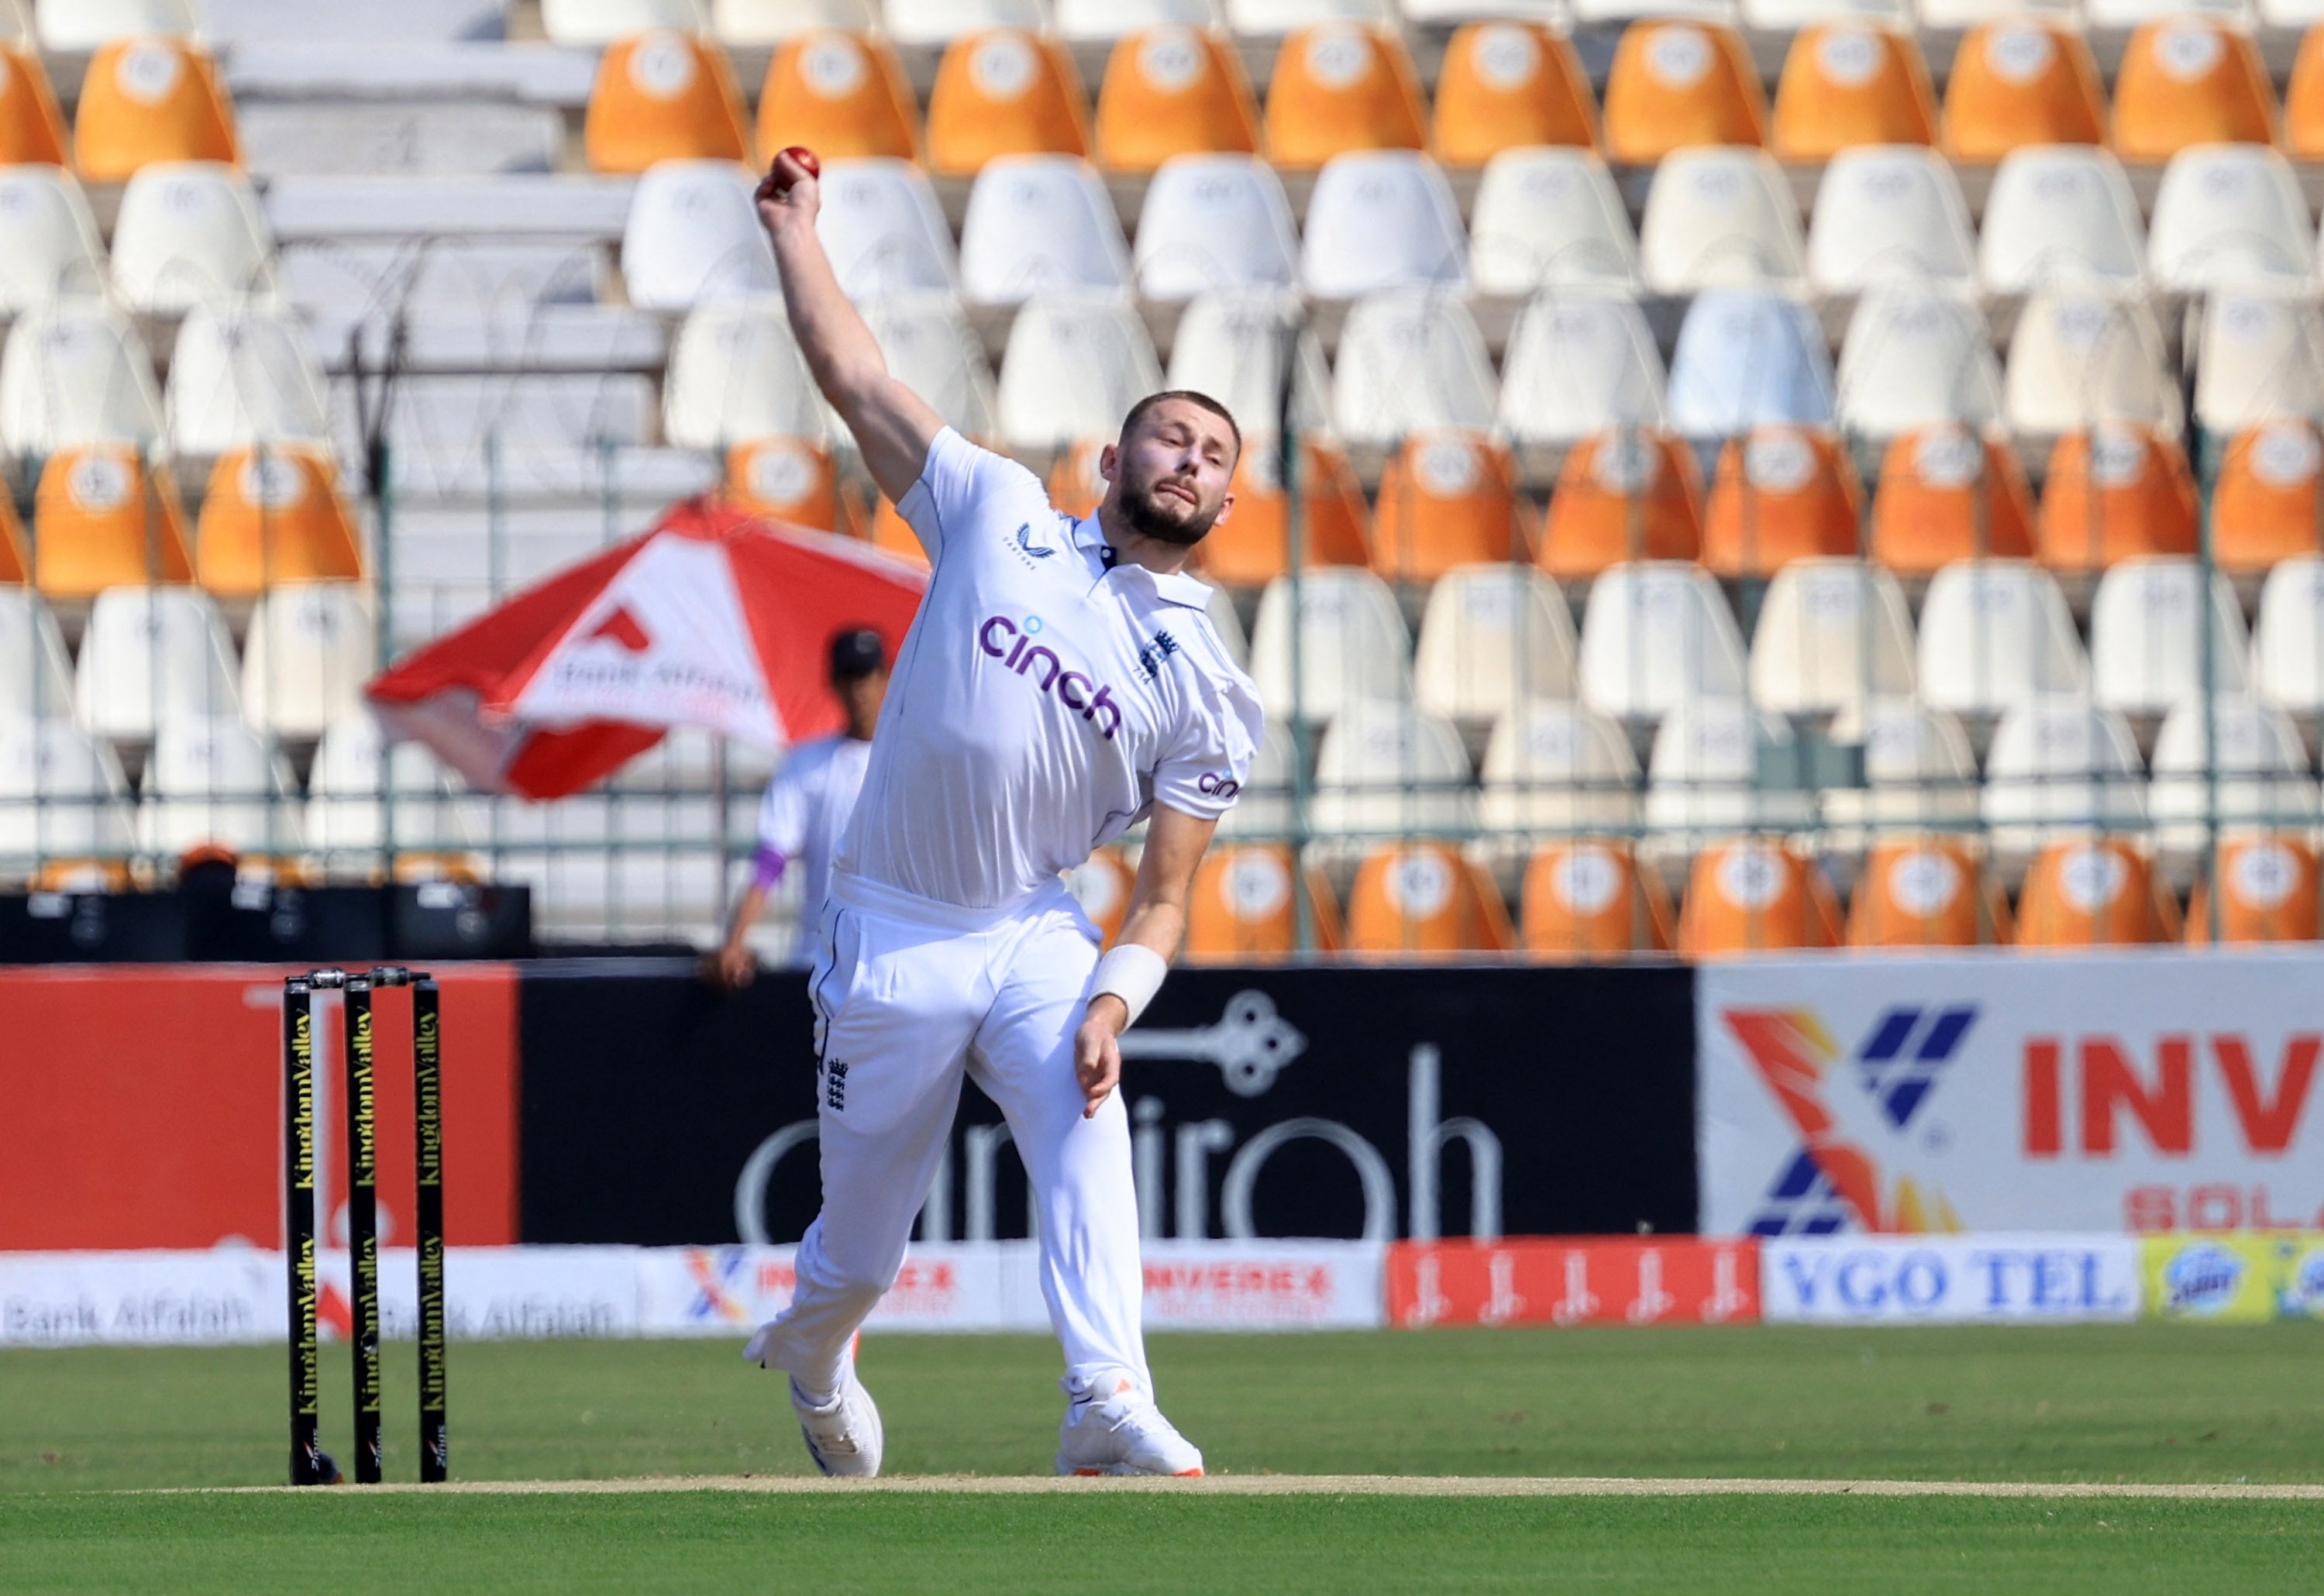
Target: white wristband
(1132,973)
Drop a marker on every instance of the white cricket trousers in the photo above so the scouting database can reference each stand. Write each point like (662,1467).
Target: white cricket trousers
(910,995)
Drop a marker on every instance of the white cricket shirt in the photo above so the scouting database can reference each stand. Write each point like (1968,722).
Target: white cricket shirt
(1043,699)
(805,810)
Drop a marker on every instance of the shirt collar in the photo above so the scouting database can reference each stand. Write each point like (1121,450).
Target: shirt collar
(1176,587)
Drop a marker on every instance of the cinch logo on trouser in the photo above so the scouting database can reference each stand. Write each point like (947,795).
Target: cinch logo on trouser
(834,1086)
(993,636)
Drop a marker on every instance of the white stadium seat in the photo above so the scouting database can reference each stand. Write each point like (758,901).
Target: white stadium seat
(2288,641)
(1580,361)
(1355,645)
(1074,365)
(2225,213)
(1100,22)
(2261,357)
(1232,347)
(75,373)
(940,22)
(1494,640)
(1886,211)
(311,649)
(1038,225)
(1561,769)
(1919,773)
(1703,776)
(1387,766)
(1381,220)
(1996,634)
(592,23)
(771,22)
(2146,629)
(693,236)
(152,655)
(343,810)
(61,793)
(736,373)
(1549,216)
(53,250)
(1214,223)
(1265,807)
(1656,635)
(241,376)
(2060,212)
(1272,19)
(2059,765)
(1748,358)
(1916,357)
(2085,354)
(189,233)
(36,680)
(1409,361)
(1831,633)
(2261,772)
(1719,215)
(932,350)
(212,780)
(76,27)
(884,230)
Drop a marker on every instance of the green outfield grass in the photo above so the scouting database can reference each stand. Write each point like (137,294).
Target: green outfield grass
(2147,1403)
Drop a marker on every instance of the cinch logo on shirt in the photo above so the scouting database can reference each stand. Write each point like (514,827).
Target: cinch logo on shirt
(993,637)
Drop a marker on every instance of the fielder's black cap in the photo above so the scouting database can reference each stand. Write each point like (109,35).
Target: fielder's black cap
(857,651)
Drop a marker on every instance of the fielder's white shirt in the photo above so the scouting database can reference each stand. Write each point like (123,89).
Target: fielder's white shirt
(805,810)
(1043,699)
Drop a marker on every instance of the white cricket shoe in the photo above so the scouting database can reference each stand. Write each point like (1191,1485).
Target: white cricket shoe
(845,1436)
(1122,1434)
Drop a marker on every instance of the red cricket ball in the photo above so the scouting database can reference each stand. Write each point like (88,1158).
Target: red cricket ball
(775,188)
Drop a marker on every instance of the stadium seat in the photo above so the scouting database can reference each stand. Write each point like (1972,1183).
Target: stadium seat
(693,236)
(1074,486)
(343,812)
(1355,647)
(1212,224)
(150,99)
(2056,213)
(1495,639)
(1717,217)
(1755,896)
(79,26)
(933,351)
(61,795)
(189,233)
(736,373)
(840,95)
(1888,211)
(2186,80)
(1447,498)
(102,519)
(1926,891)
(2251,774)
(1252,547)
(778,21)
(2268,893)
(1625,495)
(36,678)
(243,376)
(1510,85)
(1040,224)
(1265,807)
(2225,214)
(1419,900)
(274,515)
(2303,98)
(31,129)
(2079,356)
(2261,357)
(1780,493)
(1074,365)
(1172,91)
(595,24)
(2019,81)
(1101,885)
(1241,909)
(1748,358)
(1339,87)
(1377,220)
(1831,633)
(1272,19)
(792,480)
(1580,362)
(212,780)
(2264,507)
(1702,777)
(152,655)
(54,251)
(2113,493)
(1919,773)
(891,534)
(884,230)
(311,651)
(1550,217)
(944,22)
(2094,892)
(1101,22)
(2059,765)
(15,570)
(1679,83)
(663,96)
(1005,91)
(72,374)
(1409,361)
(1386,769)
(1994,634)
(1232,346)
(1917,356)
(1945,494)
(1593,899)
(1849,83)
(1656,635)
(2146,631)
(1555,769)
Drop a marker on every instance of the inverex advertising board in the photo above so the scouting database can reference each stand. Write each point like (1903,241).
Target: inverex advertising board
(2128,1092)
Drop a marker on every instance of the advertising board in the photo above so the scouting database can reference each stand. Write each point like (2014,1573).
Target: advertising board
(1583,1280)
(1998,1279)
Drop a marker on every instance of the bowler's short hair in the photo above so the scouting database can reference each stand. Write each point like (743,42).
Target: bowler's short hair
(1137,412)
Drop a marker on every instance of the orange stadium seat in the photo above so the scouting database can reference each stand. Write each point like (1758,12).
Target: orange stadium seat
(663,96)
(1591,899)
(31,129)
(1340,87)
(1173,91)
(2265,507)
(891,532)
(101,519)
(151,99)
(791,479)
(15,559)
(1424,899)
(1755,895)
(1633,494)
(2303,100)
(2026,80)
(1926,891)
(1241,907)
(274,515)
(1447,498)
(1508,85)
(842,95)
(1675,83)
(1947,495)
(1075,485)
(1100,884)
(1780,495)
(1252,546)
(1848,83)
(2190,80)
(1005,91)
(2113,493)
(2271,893)
(2097,892)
